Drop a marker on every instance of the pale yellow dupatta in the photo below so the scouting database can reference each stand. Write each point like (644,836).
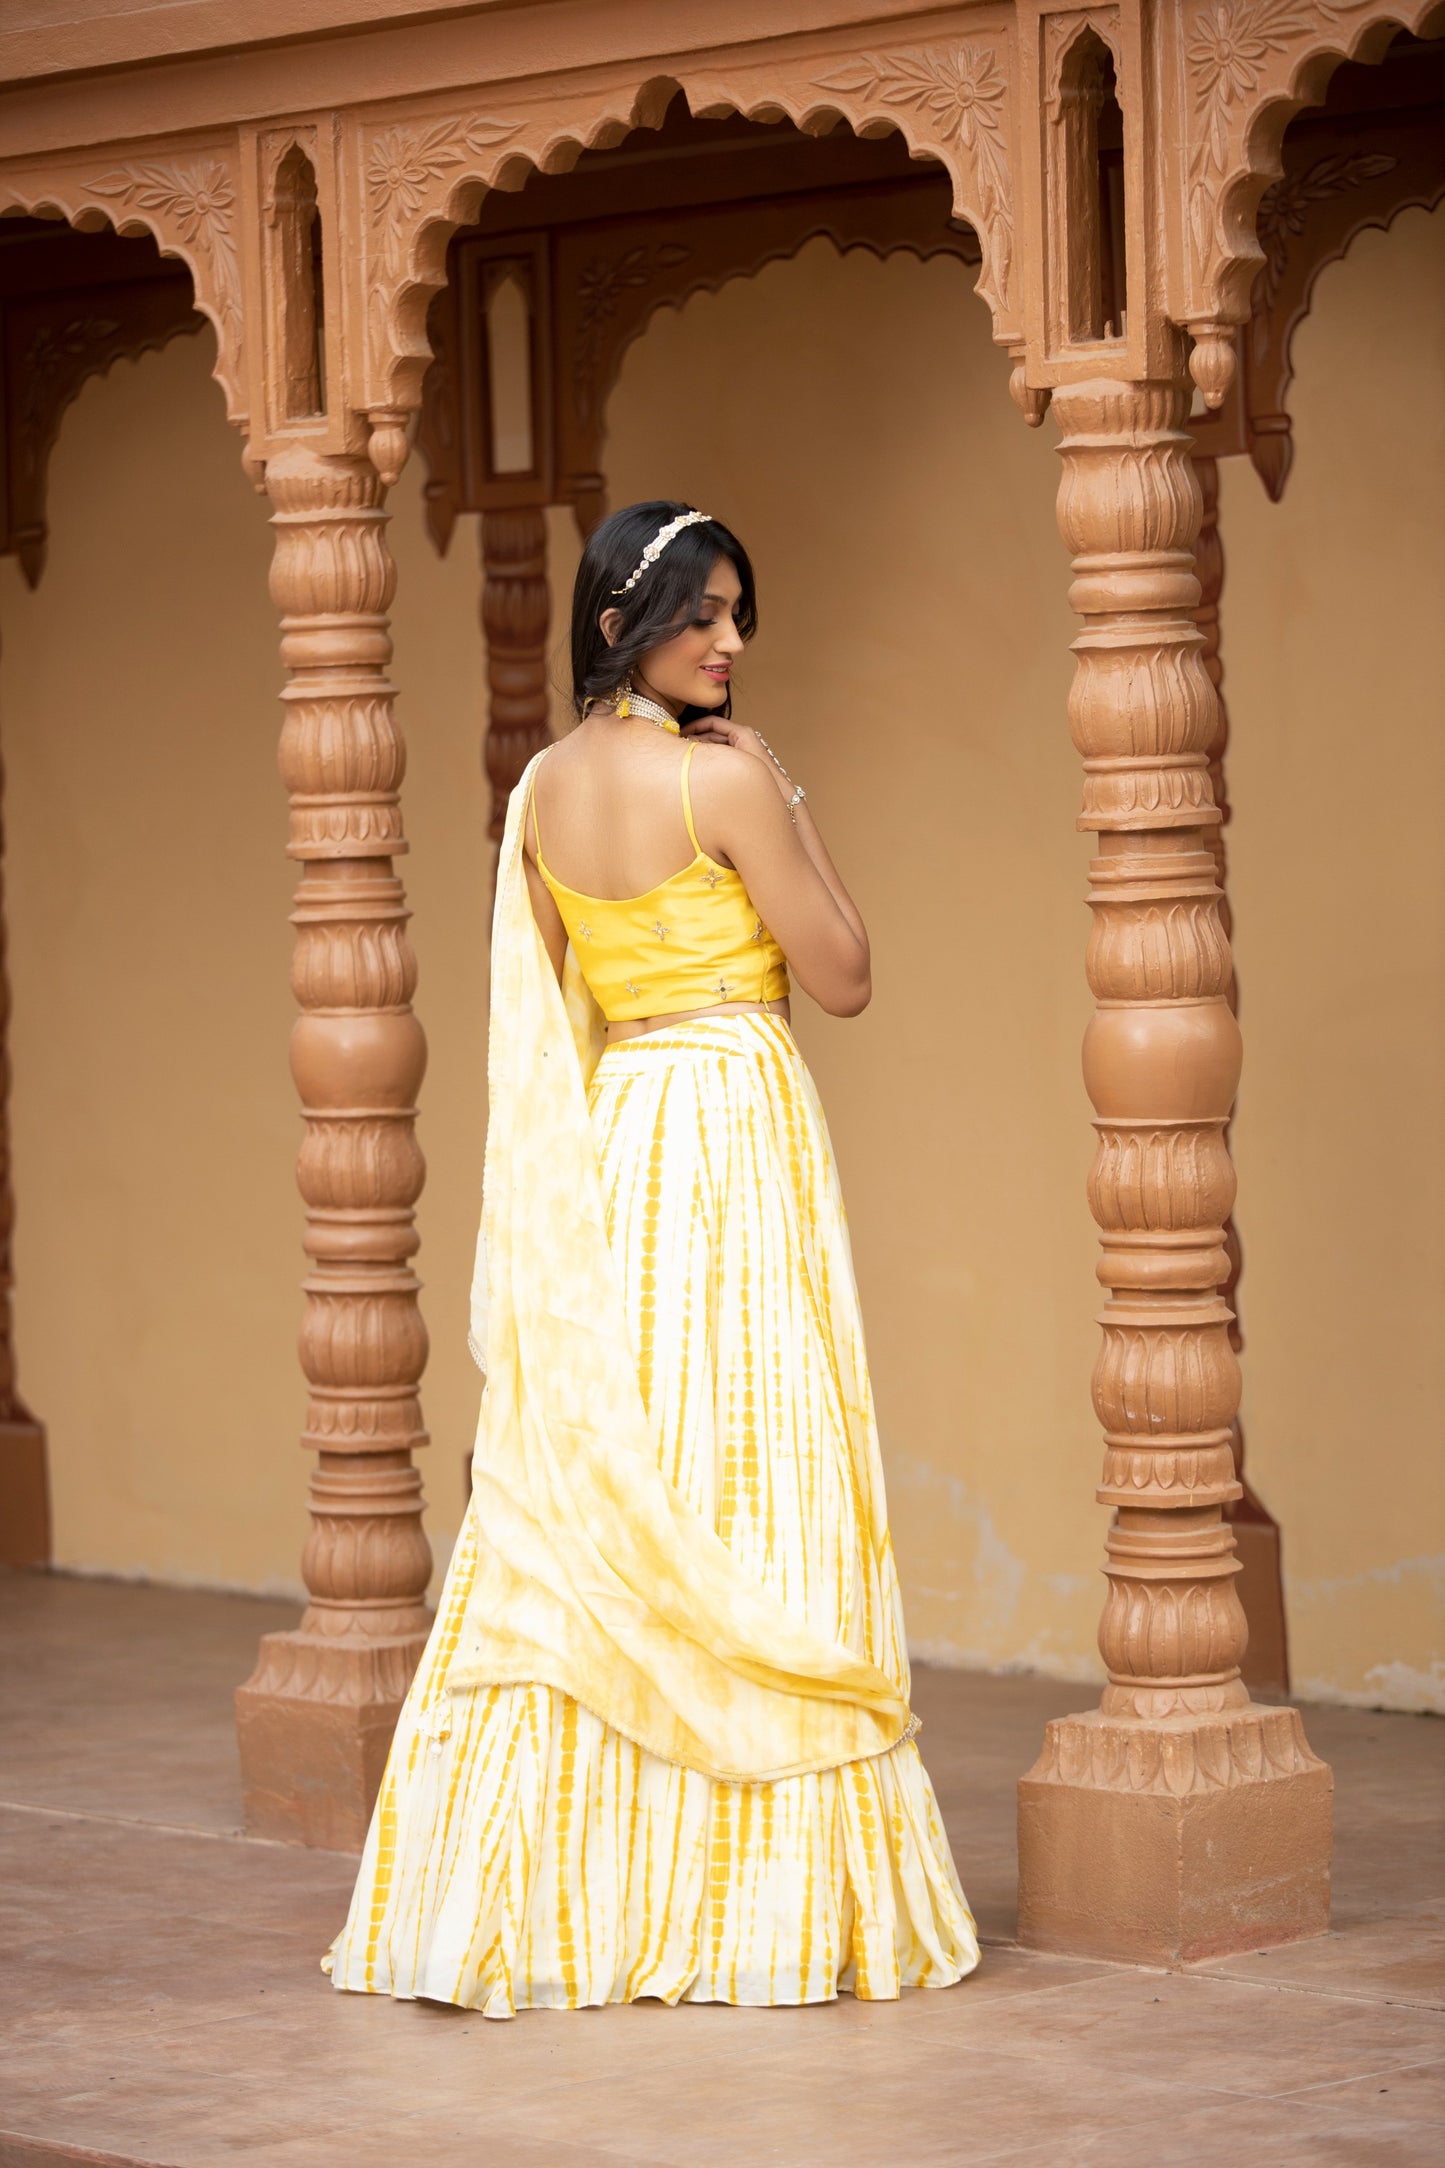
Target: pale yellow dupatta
(594,1574)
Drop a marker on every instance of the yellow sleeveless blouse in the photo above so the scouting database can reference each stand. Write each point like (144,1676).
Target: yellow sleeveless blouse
(693,942)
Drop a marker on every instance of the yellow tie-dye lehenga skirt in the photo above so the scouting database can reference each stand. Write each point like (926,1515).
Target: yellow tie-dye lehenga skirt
(659,1742)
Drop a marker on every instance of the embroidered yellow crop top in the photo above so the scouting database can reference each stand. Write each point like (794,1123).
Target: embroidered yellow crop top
(693,942)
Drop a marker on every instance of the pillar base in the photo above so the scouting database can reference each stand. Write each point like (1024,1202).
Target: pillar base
(1159,1842)
(24,1494)
(314,1724)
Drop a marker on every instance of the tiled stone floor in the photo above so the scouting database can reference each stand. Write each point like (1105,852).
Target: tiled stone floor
(161,2003)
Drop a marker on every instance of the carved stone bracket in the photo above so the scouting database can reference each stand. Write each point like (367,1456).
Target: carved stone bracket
(186,200)
(1246,66)
(53,343)
(1376,149)
(958,96)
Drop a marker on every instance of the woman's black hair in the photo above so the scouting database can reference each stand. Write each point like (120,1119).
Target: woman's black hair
(668,594)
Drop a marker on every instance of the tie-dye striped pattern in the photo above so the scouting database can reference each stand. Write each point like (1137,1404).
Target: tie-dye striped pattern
(524,1854)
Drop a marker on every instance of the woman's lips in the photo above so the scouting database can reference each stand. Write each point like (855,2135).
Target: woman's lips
(722,676)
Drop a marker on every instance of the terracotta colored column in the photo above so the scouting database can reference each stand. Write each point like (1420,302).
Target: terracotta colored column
(316,1717)
(1179,1819)
(24,1487)
(516,603)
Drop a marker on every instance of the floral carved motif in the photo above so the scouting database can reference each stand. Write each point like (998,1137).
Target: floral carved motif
(1173,951)
(1229,53)
(1179,1382)
(404,163)
(962,90)
(1161,1176)
(52,349)
(195,204)
(601,291)
(1205,1757)
(1285,209)
(405,166)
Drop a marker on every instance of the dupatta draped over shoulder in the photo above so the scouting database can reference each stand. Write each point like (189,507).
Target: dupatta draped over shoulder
(595,1575)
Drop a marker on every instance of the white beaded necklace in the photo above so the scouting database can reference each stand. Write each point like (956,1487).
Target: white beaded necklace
(632,702)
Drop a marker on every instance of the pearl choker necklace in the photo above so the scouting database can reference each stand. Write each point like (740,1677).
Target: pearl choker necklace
(630,702)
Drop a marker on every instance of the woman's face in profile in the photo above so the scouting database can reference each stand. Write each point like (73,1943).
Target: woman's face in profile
(692,669)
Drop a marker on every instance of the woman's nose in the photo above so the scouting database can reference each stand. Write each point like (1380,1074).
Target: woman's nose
(730,640)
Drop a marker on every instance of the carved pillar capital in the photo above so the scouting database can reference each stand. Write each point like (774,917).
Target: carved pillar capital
(1162,1064)
(326,1696)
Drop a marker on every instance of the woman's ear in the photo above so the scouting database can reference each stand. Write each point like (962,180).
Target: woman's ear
(609,624)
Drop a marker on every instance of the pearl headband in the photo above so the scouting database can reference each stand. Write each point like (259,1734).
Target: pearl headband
(658,544)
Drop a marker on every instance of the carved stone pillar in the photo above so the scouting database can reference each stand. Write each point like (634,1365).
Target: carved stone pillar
(316,1717)
(1179,1819)
(516,602)
(24,1485)
(1256,1532)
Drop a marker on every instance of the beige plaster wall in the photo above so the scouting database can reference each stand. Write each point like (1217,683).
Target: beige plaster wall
(851,418)
(155,1125)
(1335,647)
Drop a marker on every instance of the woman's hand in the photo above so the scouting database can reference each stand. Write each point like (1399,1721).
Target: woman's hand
(719,730)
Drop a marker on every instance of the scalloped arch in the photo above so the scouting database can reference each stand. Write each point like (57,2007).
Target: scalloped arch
(1356,33)
(210,259)
(877,102)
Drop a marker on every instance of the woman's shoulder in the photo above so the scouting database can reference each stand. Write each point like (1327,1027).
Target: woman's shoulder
(733,781)
(547,767)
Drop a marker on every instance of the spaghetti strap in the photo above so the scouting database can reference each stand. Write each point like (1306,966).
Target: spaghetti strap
(687,795)
(536,824)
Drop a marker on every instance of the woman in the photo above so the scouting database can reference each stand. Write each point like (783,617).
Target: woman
(659,1743)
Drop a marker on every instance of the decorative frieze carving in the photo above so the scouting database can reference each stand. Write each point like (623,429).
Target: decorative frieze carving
(950,100)
(1176,1760)
(1154,1175)
(1148,942)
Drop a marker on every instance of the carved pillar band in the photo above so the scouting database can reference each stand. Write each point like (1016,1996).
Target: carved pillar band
(328,1694)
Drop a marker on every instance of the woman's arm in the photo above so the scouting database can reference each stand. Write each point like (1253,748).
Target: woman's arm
(740,798)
